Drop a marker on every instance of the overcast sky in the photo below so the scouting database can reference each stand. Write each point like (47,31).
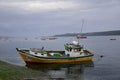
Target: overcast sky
(49,17)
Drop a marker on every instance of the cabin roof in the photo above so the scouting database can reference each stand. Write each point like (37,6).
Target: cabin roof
(72,46)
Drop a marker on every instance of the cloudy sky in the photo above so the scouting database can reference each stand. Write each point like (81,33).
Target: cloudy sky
(50,17)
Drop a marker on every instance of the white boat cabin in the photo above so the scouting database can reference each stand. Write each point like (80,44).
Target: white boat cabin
(74,49)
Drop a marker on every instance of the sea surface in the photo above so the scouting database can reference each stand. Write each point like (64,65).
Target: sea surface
(105,64)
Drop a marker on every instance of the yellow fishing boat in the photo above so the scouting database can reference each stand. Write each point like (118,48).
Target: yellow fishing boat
(73,53)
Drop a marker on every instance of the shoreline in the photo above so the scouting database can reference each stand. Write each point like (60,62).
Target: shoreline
(15,72)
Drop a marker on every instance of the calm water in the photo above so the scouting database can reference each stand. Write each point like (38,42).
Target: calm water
(105,68)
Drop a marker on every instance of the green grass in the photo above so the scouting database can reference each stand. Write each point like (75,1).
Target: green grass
(13,72)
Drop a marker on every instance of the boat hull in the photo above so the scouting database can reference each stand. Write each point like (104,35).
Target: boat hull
(33,59)
(41,66)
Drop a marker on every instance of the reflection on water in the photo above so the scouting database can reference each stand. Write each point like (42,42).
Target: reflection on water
(63,71)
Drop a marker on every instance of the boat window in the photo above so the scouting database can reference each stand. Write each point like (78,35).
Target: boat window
(75,50)
(80,49)
(35,53)
(67,49)
(70,48)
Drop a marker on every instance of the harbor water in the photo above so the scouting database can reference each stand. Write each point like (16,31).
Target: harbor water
(105,64)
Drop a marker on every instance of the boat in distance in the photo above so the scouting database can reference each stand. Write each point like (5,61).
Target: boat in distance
(73,53)
(81,37)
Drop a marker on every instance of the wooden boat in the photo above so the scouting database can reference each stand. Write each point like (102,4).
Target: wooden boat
(73,53)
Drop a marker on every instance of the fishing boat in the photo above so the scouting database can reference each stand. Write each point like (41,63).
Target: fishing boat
(73,53)
(81,37)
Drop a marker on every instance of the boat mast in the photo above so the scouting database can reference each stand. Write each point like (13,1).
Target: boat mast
(82,26)
(78,39)
(79,36)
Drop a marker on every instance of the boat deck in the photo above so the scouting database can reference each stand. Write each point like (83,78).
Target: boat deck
(51,54)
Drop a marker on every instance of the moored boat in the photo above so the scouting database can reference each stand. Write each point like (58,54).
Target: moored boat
(73,53)
(52,38)
(81,37)
(113,39)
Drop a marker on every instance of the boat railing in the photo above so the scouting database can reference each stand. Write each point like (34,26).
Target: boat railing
(38,50)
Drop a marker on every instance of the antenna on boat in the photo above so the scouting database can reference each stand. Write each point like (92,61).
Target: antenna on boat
(79,36)
(82,26)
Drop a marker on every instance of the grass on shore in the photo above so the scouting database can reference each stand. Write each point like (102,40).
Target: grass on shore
(13,72)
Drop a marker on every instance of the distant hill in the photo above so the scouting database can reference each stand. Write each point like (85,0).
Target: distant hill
(104,33)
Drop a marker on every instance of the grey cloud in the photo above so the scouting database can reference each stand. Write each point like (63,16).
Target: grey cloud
(99,15)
